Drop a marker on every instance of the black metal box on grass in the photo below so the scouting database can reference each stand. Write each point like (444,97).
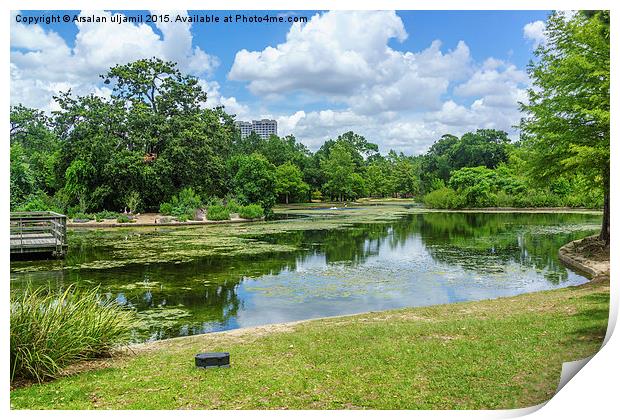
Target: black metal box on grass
(212,360)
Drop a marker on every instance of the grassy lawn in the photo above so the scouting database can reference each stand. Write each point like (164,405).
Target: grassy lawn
(502,353)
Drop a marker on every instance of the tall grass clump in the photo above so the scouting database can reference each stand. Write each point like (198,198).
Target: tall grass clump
(233,206)
(217,212)
(50,330)
(251,211)
(443,198)
(182,206)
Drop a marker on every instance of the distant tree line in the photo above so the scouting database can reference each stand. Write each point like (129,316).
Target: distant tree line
(152,145)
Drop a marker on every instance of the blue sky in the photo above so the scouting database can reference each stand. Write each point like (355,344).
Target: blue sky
(400,78)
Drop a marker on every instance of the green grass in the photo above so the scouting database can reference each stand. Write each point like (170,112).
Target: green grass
(502,353)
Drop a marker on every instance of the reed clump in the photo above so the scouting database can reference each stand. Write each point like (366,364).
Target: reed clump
(50,330)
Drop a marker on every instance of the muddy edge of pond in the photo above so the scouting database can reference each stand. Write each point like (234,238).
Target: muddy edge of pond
(596,270)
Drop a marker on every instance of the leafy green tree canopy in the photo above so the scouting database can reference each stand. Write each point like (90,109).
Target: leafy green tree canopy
(567,127)
(290,183)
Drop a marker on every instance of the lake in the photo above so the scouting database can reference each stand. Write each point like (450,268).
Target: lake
(192,280)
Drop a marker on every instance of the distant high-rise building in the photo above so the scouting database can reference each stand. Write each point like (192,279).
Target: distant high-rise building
(245,127)
(264,128)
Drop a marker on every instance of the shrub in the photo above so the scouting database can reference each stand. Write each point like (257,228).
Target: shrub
(214,201)
(478,195)
(233,206)
(34,203)
(504,199)
(106,215)
(189,199)
(72,211)
(317,195)
(166,209)
(133,201)
(251,211)
(437,184)
(83,216)
(443,198)
(123,218)
(538,198)
(51,330)
(184,205)
(218,212)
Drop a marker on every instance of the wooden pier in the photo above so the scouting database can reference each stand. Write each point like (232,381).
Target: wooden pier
(38,233)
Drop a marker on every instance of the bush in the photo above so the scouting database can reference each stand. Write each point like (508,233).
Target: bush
(443,198)
(437,184)
(166,209)
(183,206)
(214,201)
(83,216)
(51,330)
(218,212)
(478,195)
(538,198)
(317,195)
(504,199)
(106,215)
(133,201)
(251,211)
(34,203)
(233,206)
(123,218)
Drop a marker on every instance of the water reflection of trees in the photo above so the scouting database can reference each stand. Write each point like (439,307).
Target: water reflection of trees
(209,288)
(205,293)
(487,242)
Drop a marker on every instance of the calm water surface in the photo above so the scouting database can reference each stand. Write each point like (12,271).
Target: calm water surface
(417,260)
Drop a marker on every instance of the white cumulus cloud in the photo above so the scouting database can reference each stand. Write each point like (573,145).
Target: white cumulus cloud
(345,57)
(43,63)
(535,32)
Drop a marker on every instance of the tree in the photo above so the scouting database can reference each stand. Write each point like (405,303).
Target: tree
(289,182)
(357,146)
(376,179)
(481,148)
(475,186)
(31,130)
(405,178)
(567,127)
(79,176)
(248,144)
(152,137)
(22,179)
(254,180)
(338,168)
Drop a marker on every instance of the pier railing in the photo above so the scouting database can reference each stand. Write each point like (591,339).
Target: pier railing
(33,232)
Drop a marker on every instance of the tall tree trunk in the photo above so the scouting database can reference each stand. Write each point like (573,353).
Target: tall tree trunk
(286,198)
(604,236)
